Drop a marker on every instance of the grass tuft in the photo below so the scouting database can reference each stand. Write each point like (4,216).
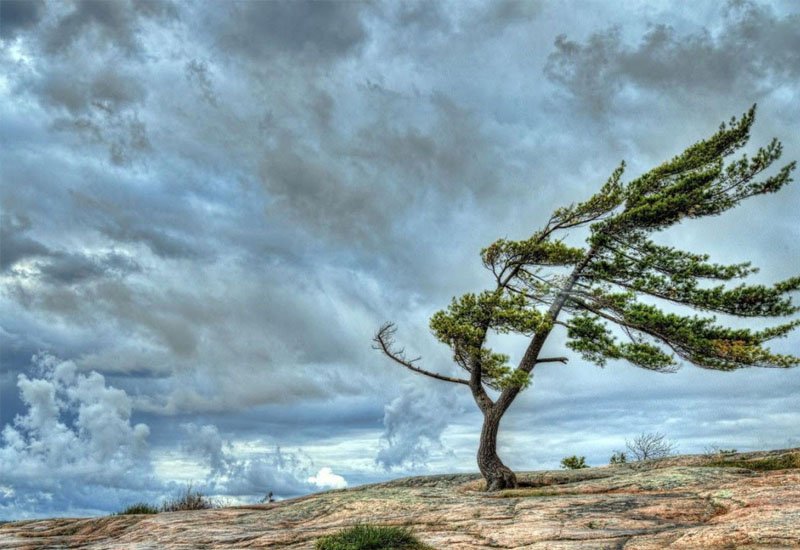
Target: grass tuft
(371,537)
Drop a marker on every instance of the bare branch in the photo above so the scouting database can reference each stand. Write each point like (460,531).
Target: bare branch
(647,446)
(384,342)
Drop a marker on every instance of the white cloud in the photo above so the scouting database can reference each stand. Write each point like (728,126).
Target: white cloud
(76,451)
(254,474)
(326,479)
(75,437)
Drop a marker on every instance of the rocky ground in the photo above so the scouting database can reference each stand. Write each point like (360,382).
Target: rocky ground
(748,500)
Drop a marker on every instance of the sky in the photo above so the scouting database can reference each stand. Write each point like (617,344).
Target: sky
(208,209)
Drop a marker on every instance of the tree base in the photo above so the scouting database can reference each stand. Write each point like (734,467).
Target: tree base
(503,478)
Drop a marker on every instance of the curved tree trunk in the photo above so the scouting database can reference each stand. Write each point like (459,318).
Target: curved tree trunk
(498,476)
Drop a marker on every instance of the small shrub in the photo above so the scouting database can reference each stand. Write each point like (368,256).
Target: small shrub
(139,508)
(574,462)
(371,537)
(619,457)
(781,462)
(189,500)
(714,450)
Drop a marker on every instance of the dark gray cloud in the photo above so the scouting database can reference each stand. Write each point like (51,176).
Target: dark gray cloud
(160,242)
(214,205)
(312,29)
(72,268)
(93,97)
(19,15)
(422,16)
(499,15)
(359,190)
(751,50)
(150,222)
(109,24)
(55,266)
(15,244)
(106,90)
(197,72)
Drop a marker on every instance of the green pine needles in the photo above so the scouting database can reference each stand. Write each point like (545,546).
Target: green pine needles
(603,293)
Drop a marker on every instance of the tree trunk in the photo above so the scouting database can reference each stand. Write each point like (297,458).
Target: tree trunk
(498,476)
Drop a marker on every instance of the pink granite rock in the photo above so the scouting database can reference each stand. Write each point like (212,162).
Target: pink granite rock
(749,500)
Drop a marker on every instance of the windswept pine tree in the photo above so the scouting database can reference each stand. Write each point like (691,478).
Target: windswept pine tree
(604,293)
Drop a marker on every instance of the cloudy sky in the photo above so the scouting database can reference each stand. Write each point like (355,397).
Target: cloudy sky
(208,208)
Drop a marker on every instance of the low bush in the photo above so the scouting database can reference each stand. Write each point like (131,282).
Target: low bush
(768,463)
(139,508)
(574,462)
(618,457)
(715,450)
(189,500)
(371,537)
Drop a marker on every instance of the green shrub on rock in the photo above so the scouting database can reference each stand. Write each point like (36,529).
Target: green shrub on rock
(139,508)
(619,457)
(371,537)
(574,462)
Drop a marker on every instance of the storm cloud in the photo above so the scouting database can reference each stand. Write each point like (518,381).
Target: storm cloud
(209,208)
(751,49)
(413,423)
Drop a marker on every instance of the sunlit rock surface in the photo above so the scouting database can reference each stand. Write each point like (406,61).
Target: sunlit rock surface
(748,500)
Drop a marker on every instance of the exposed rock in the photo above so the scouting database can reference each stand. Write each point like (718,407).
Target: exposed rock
(719,501)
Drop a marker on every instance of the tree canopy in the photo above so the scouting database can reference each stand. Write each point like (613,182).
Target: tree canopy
(622,295)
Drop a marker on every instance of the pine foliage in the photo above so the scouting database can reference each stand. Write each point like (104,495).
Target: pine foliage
(605,293)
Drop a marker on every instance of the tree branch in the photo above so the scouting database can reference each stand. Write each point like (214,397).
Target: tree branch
(674,346)
(536,344)
(553,360)
(384,341)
